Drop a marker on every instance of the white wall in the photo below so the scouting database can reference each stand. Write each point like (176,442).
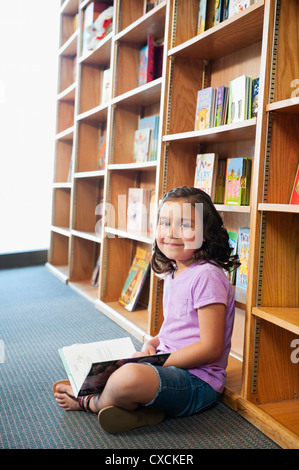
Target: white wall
(29,31)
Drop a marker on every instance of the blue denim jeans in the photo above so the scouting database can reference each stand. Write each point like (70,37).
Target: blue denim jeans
(181,393)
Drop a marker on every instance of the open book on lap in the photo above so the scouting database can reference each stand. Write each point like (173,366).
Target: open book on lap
(89,366)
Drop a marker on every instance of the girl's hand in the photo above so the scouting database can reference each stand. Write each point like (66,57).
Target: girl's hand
(147,350)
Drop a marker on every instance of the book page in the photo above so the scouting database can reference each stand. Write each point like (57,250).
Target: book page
(78,358)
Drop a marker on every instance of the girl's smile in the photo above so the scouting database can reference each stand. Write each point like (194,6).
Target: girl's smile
(177,230)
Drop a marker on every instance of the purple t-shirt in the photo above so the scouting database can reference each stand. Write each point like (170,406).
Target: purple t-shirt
(197,286)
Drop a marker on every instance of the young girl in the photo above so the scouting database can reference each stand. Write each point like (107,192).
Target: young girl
(192,253)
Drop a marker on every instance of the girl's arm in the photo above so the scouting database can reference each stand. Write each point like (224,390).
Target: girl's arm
(211,320)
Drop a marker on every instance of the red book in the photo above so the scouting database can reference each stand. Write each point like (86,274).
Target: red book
(146,62)
(295,191)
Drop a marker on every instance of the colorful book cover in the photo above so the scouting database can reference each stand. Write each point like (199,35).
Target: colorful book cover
(225,10)
(201,22)
(221,99)
(237,99)
(205,106)
(255,97)
(233,243)
(146,62)
(213,14)
(237,180)
(138,210)
(295,191)
(220,181)
(236,6)
(151,122)
(243,253)
(102,152)
(204,173)
(135,280)
(142,145)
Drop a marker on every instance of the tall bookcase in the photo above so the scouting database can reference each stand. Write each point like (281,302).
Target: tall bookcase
(262,42)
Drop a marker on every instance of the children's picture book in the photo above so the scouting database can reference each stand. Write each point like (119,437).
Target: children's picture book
(295,191)
(151,122)
(220,181)
(213,15)
(237,181)
(221,105)
(205,174)
(89,365)
(225,9)
(135,280)
(201,21)
(95,273)
(146,62)
(255,97)
(237,99)
(205,109)
(138,210)
(233,243)
(102,152)
(243,253)
(142,145)
(236,6)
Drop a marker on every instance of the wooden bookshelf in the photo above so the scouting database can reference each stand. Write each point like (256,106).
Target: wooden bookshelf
(262,381)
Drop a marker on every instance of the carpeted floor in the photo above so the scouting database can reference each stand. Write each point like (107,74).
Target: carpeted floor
(39,314)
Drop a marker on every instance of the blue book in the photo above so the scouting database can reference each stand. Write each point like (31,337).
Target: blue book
(151,122)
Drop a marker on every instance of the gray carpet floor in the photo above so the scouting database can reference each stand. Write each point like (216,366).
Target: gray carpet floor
(38,315)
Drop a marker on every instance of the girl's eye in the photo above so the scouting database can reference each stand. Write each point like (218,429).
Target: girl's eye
(164,223)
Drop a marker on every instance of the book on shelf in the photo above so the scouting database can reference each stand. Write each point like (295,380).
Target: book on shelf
(255,97)
(236,6)
(205,109)
(89,365)
(237,181)
(142,145)
(106,86)
(220,181)
(151,122)
(225,10)
(202,13)
(152,213)
(221,105)
(97,20)
(233,243)
(239,105)
(150,4)
(138,210)
(94,279)
(213,14)
(205,174)
(294,199)
(135,280)
(146,62)
(102,152)
(243,253)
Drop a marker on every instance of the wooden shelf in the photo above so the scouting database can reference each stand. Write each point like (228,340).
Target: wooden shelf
(100,55)
(89,174)
(144,166)
(92,236)
(69,48)
(284,412)
(229,36)
(151,23)
(244,130)
(69,93)
(143,95)
(86,289)
(61,272)
(291,208)
(290,106)
(97,114)
(132,236)
(69,7)
(287,318)
(66,135)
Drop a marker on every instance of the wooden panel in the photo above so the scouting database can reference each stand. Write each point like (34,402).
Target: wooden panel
(186,20)
(181,165)
(91,87)
(278,377)
(119,258)
(288,50)
(125,125)
(281,261)
(88,147)
(62,200)
(186,81)
(84,258)
(87,196)
(284,157)
(63,159)
(59,251)
(127,67)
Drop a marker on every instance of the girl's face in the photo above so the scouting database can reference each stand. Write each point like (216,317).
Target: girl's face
(178,230)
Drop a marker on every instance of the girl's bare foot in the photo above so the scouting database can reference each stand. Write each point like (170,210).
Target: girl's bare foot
(64,396)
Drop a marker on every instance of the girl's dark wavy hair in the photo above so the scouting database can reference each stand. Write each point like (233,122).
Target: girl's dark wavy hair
(215,247)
